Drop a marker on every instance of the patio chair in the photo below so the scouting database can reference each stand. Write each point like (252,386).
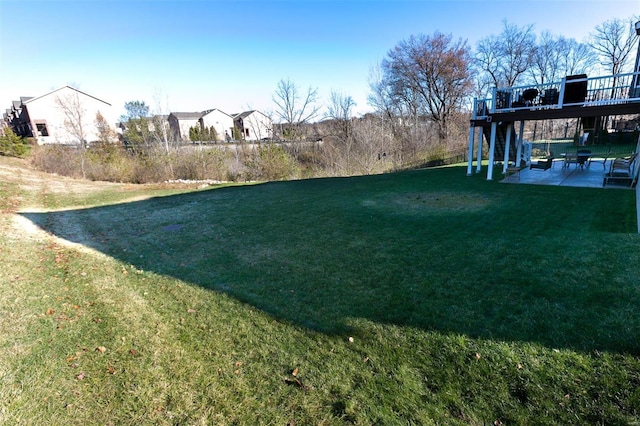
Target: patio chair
(622,169)
(542,164)
(600,159)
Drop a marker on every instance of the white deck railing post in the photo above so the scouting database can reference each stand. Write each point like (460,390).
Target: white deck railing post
(561,94)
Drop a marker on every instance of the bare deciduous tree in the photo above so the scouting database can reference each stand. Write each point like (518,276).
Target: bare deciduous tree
(577,57)
(74,123)
(74,117)
(506,58)
(293,108)
(614,41)
(340,111)
(429,75)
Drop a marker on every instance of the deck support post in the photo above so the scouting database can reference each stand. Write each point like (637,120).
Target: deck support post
(479,151)
(472,132)
(520,142)
(492,150)
(507,147)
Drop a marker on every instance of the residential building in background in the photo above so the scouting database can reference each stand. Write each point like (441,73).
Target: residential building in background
(220,121)
(63,116)
(181,122)
(254,125)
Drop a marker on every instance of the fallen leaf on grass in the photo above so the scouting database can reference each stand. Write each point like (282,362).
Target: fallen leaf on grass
(111,370)
(80,376)
(133,352)
(101,349)
(50,311)
(294,372)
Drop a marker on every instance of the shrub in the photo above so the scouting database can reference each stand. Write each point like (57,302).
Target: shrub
(109,162)
(60,159)
(274,163)
(200,163)
(13,145)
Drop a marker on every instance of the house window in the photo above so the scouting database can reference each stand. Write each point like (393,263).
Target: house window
(247,132)
(42,129)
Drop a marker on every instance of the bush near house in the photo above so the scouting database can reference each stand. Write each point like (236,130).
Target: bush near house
(12,145)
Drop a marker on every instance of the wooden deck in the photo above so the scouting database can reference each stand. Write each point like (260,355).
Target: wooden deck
(572,97)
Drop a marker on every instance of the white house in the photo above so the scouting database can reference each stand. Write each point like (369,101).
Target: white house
(221,121)
(181,122)
(254,125)
(64,116)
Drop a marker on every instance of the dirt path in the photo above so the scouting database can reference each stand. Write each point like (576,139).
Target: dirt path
(27,190)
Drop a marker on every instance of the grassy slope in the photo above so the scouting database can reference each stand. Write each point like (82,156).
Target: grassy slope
(466,301)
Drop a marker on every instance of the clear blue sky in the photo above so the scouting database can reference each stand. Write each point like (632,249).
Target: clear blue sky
(195,55)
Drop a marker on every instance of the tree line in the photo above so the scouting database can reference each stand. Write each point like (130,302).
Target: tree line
(420,93)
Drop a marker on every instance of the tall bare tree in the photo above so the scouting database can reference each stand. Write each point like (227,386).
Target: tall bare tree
(577,58)
(429,75)
(74,122)
(546,61)
(293,107)
(506,58)
(74,116)
(614,40)
(340,111)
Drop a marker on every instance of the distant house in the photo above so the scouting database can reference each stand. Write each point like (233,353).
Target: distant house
(181,122)
(63,116)
(254,125)
(220,121)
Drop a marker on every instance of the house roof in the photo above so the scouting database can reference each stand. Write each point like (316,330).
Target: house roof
(62,88)
(209,111)
(187,115)
(244,114)
(248,113)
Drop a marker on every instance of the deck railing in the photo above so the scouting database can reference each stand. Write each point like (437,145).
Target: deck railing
(578,90)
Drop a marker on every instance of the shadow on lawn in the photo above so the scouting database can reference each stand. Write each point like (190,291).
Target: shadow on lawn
(388,249)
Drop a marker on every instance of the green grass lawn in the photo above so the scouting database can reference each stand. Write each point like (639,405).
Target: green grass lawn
(423,297)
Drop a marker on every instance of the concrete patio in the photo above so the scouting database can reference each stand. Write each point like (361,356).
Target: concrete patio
(589,176)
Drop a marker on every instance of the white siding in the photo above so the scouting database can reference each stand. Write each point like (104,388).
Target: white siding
(221,121)
(47,110)
(257,126)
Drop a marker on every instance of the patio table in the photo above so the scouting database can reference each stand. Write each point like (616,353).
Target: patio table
(579,158)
